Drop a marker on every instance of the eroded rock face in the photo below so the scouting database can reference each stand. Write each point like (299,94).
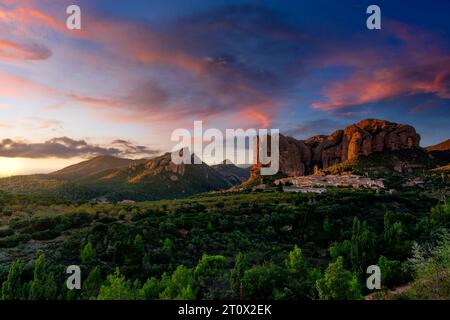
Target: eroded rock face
(366,137)
(332,150)
(295,156)
(361,139)
(374,135)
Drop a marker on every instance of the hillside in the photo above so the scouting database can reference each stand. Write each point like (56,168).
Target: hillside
(118,179)
(233,173)
(155,179)
(93,166)
(384,164)
(443,146)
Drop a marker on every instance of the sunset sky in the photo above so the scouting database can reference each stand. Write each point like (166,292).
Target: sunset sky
(140,69)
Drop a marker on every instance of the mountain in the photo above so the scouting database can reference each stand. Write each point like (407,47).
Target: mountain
(117,179)
(92,167)
(443,146)
(155,179)
(233,174)
(440,152)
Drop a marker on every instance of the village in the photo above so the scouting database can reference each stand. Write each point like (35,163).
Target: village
(319,183)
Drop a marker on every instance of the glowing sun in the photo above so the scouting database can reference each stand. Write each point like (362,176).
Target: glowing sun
(9,166)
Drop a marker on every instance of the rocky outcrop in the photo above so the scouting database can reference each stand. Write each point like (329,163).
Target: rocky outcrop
(295,156)
(372,135)
(361,139)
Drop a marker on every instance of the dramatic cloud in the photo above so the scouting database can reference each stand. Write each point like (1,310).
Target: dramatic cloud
(220,62)
(65,148)
(419,66)
(231,66)
(363,87)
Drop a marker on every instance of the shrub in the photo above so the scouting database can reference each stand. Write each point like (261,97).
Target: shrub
(45,235)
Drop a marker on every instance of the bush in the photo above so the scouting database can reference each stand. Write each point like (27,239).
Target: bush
(18,224)
(338,283)
(45,235)
(392,272)
(78,220)
(264,282)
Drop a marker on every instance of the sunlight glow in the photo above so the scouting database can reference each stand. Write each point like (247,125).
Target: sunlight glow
(23,166)
(10,166)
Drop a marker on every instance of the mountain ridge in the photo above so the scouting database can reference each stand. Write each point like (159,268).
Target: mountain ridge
(442,146)
(93,166)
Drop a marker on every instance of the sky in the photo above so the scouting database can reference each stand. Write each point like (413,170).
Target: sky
(138,70)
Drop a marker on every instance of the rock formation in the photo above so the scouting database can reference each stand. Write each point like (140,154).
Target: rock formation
(361,139)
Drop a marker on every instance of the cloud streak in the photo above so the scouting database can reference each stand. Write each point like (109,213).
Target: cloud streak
(14,51)
(65,148)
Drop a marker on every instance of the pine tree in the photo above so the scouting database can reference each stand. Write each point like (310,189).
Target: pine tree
(240,266)
(138,244)
(11,288)
(92,284)
(362,246)
(392,232)
(295,262)
(300,279)
(118,288)
(151,289)
(43,286)
(338,283)
(175,286)
(87,255)
(209,275)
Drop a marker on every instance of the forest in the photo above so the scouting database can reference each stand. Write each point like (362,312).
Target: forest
(247,245)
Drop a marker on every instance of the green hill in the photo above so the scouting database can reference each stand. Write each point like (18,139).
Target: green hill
(118,179)
(93,166)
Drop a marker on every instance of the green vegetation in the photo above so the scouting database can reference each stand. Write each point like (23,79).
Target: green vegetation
(338,283)
(239,245)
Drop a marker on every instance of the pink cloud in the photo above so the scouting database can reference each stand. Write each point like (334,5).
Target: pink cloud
(256,116)
(122,38)
(14,51)
(420,66)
